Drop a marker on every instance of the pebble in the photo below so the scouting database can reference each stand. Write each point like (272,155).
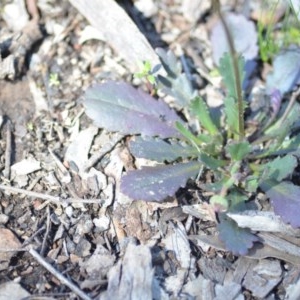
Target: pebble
(69,211)
(3,219)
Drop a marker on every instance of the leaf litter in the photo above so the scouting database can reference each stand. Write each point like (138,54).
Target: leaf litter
(96,239)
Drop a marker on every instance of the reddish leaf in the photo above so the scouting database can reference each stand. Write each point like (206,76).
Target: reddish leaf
(156,183)
(159,150)
(285,198)
(237,240)
(117,106)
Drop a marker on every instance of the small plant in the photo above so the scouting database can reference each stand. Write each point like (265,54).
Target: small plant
(146,72)
(241,158)
(54,80)
(271,39)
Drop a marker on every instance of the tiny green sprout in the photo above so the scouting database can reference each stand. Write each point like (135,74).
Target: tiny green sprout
(54,80)
(146,72)
(30,126)
(214,73)
(271,39)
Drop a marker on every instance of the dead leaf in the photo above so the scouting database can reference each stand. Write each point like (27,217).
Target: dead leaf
(8,243)
(12,290)
(132,277)
(263,221)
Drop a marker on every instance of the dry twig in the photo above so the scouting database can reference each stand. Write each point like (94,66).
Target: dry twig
(50,198)
(58,275)
(48,226)
(8,150)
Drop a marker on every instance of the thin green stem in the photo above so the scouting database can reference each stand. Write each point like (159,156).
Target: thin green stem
(238,85)
(292,101)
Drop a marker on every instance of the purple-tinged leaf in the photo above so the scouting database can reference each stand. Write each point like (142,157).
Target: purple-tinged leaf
(243,34)
(159,150)
(117,106)
(237,240)
(286,71)
(180,88)
(285,198)
(175,83)
(169,62)
(157,183)
(275,100)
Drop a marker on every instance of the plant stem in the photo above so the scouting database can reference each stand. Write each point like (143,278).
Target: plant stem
(290,105)
(238,85)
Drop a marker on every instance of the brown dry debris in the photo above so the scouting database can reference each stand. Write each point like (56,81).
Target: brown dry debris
(66,230)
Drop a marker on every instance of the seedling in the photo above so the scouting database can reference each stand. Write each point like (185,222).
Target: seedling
(271,39)
(240,159)
(146,72)
(54,80)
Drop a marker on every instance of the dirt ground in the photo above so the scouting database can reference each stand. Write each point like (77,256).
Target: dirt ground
(66,231)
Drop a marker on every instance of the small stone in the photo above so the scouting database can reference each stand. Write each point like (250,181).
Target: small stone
(69,211)
(61,259)
(83,248)
(3,219)
(102,223)
(147,7)
(84,226)
(26,166)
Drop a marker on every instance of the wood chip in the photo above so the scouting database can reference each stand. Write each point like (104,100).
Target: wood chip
(263,277)
(200,288)
(110,19)
(78,150)
(132,277)
(228,292)
(281,244)
(259,251)
(193,9)
(263,221)
(26,166)
(8,243)
(15,15)
(213,269)
(12,290)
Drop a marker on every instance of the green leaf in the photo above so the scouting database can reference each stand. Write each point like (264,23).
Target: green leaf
(238,150)
(285,199)
(160,150)
(227,71)
(157,183)
(282,128)
(196,141)
(219,202)
(231,110)
(232,114)
(207,139)
(175,83)
(211,162)
(237,240)
(180,88)
(237,200)
(251,184)
(169,62)
(291,146)
(280,168)
(199,108)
